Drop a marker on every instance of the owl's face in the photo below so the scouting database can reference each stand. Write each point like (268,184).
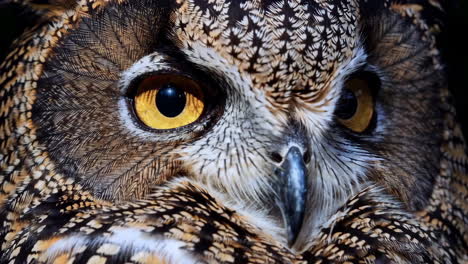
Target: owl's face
(282,108)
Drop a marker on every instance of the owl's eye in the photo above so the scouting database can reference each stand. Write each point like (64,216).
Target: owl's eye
(168,101)
(355,108)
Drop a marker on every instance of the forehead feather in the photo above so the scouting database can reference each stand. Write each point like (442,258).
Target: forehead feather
(284,46)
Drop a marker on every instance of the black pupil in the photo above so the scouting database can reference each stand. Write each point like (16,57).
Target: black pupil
(347,105)
(170,100)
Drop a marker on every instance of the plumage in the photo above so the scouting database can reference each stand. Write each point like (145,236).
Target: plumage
(323,132)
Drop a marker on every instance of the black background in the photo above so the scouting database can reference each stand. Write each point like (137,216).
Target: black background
(13,20)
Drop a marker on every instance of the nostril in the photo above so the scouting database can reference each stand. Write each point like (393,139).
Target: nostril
(276,157)
(306,156)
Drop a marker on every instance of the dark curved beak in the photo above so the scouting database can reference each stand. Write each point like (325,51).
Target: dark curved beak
(292,191)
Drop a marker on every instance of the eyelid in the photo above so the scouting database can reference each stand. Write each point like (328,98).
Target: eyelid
(131,89)
(148,65)
(157,64)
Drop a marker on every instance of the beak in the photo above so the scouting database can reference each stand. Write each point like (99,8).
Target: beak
(292,191)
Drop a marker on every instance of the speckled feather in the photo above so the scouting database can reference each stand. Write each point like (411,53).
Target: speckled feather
(52,215)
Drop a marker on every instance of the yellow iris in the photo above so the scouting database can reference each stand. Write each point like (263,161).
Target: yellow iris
(361,119)
(168,101)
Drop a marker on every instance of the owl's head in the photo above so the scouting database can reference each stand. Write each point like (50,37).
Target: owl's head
(282,108)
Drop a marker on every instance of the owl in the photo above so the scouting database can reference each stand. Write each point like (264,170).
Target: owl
(231,131)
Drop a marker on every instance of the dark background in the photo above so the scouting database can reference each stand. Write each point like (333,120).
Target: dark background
(13,20)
